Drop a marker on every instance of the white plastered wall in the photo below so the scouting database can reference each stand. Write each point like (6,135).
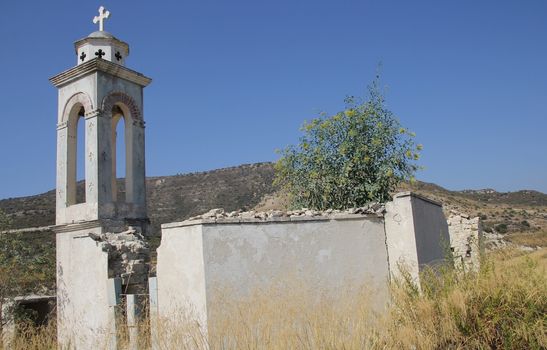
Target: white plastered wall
(181,288)
(195,262)
(416,234)
(83,312)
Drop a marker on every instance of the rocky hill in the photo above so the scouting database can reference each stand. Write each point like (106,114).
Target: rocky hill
(175,198)
(170,198)
(502,212)
(521,217)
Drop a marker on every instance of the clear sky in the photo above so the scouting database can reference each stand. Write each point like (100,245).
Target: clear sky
(234,80)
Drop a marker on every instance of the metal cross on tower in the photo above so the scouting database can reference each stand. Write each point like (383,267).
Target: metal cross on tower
(103,14)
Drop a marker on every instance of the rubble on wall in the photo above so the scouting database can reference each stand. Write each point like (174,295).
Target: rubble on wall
(128,255)
(465,239)
(376,209)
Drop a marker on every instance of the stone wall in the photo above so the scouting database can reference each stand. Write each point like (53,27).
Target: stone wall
(465,240)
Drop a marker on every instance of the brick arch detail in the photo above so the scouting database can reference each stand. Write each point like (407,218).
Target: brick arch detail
(78,98)
(119,97)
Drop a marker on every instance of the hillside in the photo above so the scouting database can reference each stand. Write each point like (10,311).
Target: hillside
(522,211)
(521,216)
(175,198)
(170,198)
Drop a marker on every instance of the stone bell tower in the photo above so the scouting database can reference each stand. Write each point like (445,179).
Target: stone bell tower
(104,92)
(101,253)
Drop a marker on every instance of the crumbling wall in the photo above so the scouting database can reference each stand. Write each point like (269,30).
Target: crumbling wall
(128,257)
(465,240)
(220,216)
(90,259)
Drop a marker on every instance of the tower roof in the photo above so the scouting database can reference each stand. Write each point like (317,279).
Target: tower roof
(101,44)
(100,34)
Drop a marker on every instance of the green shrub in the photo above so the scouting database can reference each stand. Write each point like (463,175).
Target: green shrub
(354,157)
(501,228)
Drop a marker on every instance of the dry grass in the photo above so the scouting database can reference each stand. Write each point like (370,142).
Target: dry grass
(34,338)
(529,239)
(502,306)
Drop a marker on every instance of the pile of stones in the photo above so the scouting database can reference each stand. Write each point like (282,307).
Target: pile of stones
(219,213)
(128,255)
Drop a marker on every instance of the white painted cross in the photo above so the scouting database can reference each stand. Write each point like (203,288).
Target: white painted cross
(103,14)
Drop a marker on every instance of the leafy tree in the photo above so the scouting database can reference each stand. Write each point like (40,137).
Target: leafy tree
(354,157)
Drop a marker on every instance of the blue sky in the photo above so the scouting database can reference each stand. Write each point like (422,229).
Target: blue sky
(234,80)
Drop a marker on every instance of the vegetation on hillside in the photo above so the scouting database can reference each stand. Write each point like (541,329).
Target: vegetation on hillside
(27,262)
(170,198)
(176,198)
(354,157)
(25,268)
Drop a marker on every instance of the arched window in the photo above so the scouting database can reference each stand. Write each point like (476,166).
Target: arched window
(119,154)
(80,158)
(72,155)
(127,132)
(75,161)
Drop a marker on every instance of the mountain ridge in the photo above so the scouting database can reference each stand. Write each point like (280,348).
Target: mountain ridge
(243,187)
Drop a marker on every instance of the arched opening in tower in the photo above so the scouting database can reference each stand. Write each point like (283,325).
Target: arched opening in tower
(80,157)
(119,154)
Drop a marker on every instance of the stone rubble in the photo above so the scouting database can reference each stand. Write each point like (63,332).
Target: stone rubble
(219,213)
(128,255)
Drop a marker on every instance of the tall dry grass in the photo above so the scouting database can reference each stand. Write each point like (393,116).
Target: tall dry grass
(30,337)
(501,306)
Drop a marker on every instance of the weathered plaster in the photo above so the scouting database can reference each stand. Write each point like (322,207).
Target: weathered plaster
(196,262)
(181,287)
(416,234)
(83,313)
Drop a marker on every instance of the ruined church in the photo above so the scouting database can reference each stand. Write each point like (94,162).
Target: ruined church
(103,269)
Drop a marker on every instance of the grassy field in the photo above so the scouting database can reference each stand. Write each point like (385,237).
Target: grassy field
(502,306)
(529,239)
